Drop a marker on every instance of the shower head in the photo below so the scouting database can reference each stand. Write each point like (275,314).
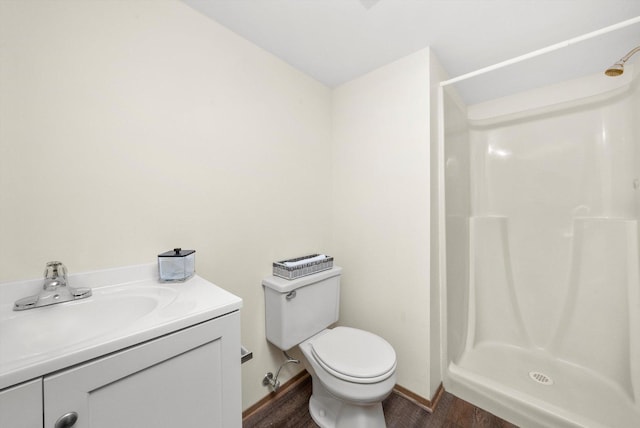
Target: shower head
(615,70)
(618,68)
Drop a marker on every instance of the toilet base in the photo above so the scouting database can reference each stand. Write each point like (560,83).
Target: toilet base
(329,412)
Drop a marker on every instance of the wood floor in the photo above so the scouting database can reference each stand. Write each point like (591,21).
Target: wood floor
(290,410)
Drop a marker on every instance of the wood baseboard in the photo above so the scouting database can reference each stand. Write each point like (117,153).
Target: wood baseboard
(298,380)
(428,405)
(292,383)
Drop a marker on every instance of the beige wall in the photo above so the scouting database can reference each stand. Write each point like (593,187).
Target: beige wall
(381,209)
(130,127)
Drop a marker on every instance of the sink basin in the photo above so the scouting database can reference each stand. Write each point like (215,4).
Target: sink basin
(110,309)
(128,306)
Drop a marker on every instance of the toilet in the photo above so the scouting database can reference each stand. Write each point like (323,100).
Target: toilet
(352,370)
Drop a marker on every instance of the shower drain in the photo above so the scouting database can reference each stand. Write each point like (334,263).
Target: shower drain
(541,378)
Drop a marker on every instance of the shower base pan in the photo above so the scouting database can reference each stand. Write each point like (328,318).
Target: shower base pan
(533,389)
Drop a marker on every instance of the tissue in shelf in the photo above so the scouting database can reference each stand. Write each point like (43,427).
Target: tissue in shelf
(302,266)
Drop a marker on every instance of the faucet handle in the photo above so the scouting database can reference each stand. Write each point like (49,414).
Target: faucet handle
(55,270)
(55,274)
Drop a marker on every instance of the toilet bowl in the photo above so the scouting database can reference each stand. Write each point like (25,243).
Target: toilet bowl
(352,372)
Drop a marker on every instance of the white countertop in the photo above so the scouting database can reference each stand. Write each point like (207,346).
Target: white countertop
(42,340)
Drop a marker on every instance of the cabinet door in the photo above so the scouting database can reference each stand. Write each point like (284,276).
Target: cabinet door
(21,405)
(188,379)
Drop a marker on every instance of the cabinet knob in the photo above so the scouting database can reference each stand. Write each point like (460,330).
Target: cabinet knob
(67,420)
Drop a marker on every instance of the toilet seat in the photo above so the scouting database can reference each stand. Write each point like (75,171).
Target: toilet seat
(354,355)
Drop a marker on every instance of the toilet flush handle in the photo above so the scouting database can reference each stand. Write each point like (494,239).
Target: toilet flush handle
(290,295)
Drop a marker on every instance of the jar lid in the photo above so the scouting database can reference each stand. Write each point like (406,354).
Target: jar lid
(177,252)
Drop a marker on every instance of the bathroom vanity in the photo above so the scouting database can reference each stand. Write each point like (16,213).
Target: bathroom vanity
(137,353)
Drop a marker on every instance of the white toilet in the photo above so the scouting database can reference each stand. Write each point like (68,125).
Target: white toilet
(352,370)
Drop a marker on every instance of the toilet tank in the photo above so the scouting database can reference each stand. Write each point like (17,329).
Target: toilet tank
(297,309)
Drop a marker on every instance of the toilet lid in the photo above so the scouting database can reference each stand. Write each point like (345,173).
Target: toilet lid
(355,355)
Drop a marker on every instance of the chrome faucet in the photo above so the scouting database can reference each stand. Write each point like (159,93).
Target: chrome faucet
(54,290)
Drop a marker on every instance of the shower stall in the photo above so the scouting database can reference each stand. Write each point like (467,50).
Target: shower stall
(539,231)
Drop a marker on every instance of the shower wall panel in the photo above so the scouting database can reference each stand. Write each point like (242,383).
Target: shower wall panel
(494,310)
(541,173)
(457,208)
(596,324)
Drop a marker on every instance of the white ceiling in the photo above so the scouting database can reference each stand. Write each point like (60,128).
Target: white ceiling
(337,40)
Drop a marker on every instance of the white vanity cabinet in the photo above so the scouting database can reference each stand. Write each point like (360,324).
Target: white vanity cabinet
(187,379)
(21,405)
